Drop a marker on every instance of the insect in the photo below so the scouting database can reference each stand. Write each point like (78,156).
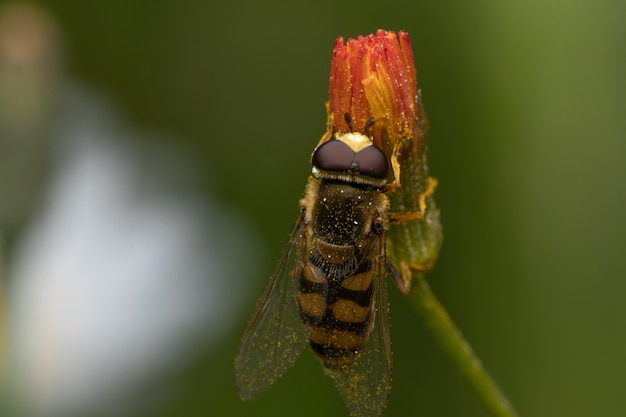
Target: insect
(328,288)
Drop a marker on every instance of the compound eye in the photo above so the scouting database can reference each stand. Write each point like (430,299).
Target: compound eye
(372,162)
(334,156)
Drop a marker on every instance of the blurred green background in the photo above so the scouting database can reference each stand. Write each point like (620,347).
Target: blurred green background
(525,101)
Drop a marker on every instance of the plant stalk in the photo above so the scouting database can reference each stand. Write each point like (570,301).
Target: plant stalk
(458,349)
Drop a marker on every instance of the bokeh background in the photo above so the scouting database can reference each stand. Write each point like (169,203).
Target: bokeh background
(526,105)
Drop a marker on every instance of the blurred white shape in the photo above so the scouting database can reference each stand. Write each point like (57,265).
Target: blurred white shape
(125,274)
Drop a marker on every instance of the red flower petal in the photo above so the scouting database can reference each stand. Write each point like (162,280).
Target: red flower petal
(373,76)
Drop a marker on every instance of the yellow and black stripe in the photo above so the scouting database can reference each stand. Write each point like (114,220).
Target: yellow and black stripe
(336,311)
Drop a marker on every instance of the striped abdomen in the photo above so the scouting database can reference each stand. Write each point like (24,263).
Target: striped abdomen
(336,311)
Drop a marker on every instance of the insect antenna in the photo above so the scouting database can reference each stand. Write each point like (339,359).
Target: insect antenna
(368,124)
(348,119)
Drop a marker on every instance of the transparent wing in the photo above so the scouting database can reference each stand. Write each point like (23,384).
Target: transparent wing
(365,385)
(274,337)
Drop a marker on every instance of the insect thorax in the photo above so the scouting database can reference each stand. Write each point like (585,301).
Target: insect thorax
(342,219)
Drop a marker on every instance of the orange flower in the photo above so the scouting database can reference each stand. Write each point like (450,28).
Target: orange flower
(374,77)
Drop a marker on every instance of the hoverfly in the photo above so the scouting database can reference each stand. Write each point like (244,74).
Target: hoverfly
(327,289)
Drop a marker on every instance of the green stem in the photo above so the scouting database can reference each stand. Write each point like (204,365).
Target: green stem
(453,343)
